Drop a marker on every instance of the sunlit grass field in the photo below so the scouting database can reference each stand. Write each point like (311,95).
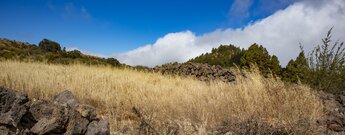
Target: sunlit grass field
(169,104)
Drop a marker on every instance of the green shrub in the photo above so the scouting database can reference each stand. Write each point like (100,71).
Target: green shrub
(74,54)
(113,62)
(327,65)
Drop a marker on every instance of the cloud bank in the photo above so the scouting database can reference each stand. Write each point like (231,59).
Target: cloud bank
(304,22)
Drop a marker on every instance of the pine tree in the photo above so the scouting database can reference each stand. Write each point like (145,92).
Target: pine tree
(258,55)
(296,70)
(275,66)
(224,55)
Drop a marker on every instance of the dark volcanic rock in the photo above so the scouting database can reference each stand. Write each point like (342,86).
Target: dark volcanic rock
(63,115)
(6,131)
(66,97)
(77,124)
(50,118)
(203,72)
(12,106)
(49,126)
(98,128)
(45,109)
(87,112)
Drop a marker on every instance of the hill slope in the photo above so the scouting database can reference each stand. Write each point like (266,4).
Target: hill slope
(49,51)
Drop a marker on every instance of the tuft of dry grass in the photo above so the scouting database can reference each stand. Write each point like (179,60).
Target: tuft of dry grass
(142,102)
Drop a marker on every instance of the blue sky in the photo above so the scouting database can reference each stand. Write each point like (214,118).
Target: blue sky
(154,32)
(116,26)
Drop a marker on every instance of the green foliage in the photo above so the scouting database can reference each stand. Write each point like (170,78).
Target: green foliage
(140,68)
(327,65)
(296,70)
(113,62)
(230,55)
(258,55)
(74,54)
(275,65)
(224,55)
(49,46)
(323,69)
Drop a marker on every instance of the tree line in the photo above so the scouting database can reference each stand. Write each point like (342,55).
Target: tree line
(323,68)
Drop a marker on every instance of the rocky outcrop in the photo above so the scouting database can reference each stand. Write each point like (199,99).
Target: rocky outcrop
(203,72)
(63,114)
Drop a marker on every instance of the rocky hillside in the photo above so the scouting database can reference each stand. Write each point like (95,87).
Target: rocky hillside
(203,72)
(63,114)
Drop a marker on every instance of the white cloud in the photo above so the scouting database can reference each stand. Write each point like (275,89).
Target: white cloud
(178,46)
(303,22)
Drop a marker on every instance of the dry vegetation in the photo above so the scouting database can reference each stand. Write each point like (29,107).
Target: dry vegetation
(134,101)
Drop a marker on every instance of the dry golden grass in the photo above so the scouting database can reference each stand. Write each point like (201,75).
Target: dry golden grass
(169,103)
